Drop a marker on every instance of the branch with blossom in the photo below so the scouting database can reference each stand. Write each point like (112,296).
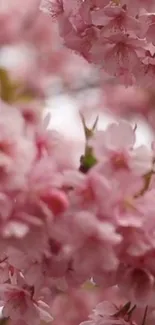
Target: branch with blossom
(77,236)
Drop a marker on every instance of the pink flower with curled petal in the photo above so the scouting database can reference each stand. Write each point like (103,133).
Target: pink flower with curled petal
(19,305)
(56,200)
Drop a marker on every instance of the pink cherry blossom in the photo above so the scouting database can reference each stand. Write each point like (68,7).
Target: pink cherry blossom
(115,19)
(77,226)
(86,26)
(19,305)
(108,313)
(118,153)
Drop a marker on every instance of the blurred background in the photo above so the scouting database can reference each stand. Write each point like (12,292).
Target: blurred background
(63,106)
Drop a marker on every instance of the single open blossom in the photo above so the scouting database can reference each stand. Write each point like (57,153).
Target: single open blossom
(19,305)
(115,309)
(109,313)
(115,19)
(118,153)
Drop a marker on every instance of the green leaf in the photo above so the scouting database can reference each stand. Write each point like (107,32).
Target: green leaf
(87,161)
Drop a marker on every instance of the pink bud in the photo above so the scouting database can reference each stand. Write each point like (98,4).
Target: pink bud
(57,201)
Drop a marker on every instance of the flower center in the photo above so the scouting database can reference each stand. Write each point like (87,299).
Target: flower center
(119,161)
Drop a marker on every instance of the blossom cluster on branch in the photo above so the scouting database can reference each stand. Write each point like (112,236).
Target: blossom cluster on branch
(77,238)
(117,35)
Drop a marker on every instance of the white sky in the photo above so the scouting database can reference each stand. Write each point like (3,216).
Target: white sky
(65,118)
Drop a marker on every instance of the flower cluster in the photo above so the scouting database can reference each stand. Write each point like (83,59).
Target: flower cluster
(117,35)
(61,228)
(76,235)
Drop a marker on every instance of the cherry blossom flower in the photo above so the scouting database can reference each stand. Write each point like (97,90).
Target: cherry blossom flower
(86,26)
(20,306)
(118,153)
(77,229)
